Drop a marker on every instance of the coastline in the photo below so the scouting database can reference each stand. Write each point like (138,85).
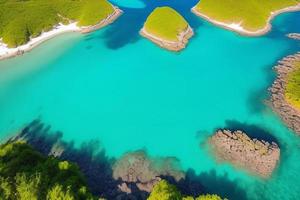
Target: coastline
(170,45)
(236,27)
(110,19)
(289,115)
(6,52)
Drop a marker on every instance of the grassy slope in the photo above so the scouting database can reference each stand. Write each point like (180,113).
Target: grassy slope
(292,92)
(20,20)
(252,13)
(165,23)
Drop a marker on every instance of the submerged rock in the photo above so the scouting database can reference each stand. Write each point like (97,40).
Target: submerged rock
(257,156)
(139,171)
(295,36)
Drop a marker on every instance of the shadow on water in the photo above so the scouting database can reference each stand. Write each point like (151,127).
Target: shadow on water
(283,24)
(209,183)
(125,30)
(91,159)
(252,130)
(257,100)
(98,167)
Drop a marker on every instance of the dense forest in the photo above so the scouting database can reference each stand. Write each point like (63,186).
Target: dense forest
(26,174)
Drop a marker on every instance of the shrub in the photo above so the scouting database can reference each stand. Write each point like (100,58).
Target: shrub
(165,191)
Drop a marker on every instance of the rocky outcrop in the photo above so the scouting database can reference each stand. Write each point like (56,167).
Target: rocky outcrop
(170,45)
(137,170)
(289,114)
(257,156)
(295,36)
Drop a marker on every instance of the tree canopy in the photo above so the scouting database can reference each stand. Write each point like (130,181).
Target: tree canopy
(166,191)
(28,175)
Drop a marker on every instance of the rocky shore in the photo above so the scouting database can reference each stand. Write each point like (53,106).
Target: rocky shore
(170,45)
(289,114)
(295,36)
(6,52)
(256,156)
(137,171)
(236,27)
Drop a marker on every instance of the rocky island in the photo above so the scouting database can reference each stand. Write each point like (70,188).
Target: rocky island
(257,156)
(285,91)
(167,28)
(250,18)
(26,24)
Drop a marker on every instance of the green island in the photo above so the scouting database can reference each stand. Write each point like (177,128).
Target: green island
(246,17)
(168,28)
(26,174)
(292,90)
(22,20)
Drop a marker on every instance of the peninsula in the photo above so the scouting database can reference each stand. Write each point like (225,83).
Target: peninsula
(250,18)
(167,28)
(285,91)
(26,24)
(257,156)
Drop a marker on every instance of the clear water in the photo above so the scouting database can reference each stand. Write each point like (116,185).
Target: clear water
(116,87)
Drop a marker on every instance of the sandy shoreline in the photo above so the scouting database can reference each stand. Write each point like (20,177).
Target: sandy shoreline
(170,45)
(236,27)
(6,52)
(288,114)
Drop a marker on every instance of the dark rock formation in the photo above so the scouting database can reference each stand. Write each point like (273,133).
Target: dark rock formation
(289,114)
(138,169)
(257,156)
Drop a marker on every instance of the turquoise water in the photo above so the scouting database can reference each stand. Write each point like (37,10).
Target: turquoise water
(118,88)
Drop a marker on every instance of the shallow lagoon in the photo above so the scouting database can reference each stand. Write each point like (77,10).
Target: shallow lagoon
(120,89)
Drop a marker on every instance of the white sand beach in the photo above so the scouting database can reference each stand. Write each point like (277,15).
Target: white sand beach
(6,52)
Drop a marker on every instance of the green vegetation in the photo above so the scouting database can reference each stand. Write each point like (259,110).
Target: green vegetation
(165,23)
(25,174)
(292,91)
(166,191)
(22,19)
(252,14)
